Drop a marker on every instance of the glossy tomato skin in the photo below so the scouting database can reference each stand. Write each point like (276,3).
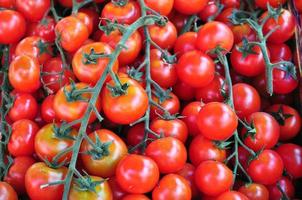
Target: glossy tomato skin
(202,149)
(85,19)
(255,191)
(39,174)
(24,74)
(195,69)
(267,131)
(190,113)
(286,186)
(291,155)
(267,168)
(135,134)
(188,173)
(162,7)
(183,91)
(172,186)
(7,4)
(33,10)
(213,178)
(21,142)
(169,153)
(117,191)
(12,26)
(231,3)
(104,166)
(44,29)
(217,121)
(232,195)
(189,7)
(246,100)
(135,197)
(128,107)
(208,11)
(178,19)
(283,82)
(279,52)
(47,112)
(171,104)
(90,73)
(184,43)
(273,3)
(137,174)
(7,192)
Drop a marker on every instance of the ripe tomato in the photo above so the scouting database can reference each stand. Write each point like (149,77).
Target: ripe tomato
(103,163)
(163,35)
(195,69)
(246,100)
(7,192)
(243,156)
(21,142)
(137,174)
(208,11)
(68,3)
(88,69)
(163,7)
(128,107)
(40,174)
(170,128)
(232,195)
(279,52)
(184,43)
(135,197)
(267,168)
(25,107)
(33,10)
(86,19)
(273,3)
(135,134)
(72,33)
(214,34)
(213,178)
(123,14)
(178,19)
(169,153)
(286,27)
(189,7)
(202,149)
(183,91)
(188,173)
(9,4)
(24,74)
(69,109)
(172,186)
(231,3)
(291,155)
(255,191)
(44,29)
(117,191)
(171,104)
(283,82)
(286,186)
(243,31)
(12,26)
(298,5)
(162,72)
(101,191)
(132,46)
(217,121)
(190,113)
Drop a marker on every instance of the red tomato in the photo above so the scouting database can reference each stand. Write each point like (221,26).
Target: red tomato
(178,19)
(217,121)
(231,3)
(255,191)
(183,91)
(172,186)
(267,168)
(117,191)
(163,7)
(286,186)
(232,195)
(213,178)
(67,3)
(273,3)
(184,43)
(298,5)
(190,113)
(7,192)
(170,104)
(137,174)
(85,19)
(135,134)
(44,29)
(279,52)
(208,11)
(33,10)
(283,82)
(189,7)
(12,26)
(188,173)
(9,4)
(135,197)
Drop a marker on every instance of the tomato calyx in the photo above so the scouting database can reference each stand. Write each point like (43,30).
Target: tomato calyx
(162,21)
(75,94)
(280,116)
(246,48)
(274,12)
(162,94)
(92,57)
(222,144)
(111,26)
(86,183)
(119,3)
(118,90)
(170,59)
(62,132)
(250,130)
(135,74)
(43,47)
(289,68)
(99,149)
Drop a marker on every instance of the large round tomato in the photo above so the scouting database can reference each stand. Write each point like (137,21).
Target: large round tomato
(184,43)
(171,104)
(137,174)
(189,7)
(286,186)
(163,7)
(33,10)
(44,29)
(21,142)
(283,81)
(255,191)
(188,173)
(232,195)
(103,163)
(190,113)
(7,192)
(172,186)
(217,121)
(40,174)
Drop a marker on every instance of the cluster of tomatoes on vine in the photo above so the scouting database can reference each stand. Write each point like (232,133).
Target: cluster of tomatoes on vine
(180,110)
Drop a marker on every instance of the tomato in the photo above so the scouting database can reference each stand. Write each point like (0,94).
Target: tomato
(267,168)
(135,134)
(184,43)
(178,19)
(70,108)
(137,174)
(232,195)
(243,156)
(93,17)
(246,100)
(188,173)
(298,5)
(12,26)
(85,19)
(128,107)
(283,82)
(250,65)
(202,149)
(286,27)
(190,113)
(117,192)
(212,91)
(163,7)
(24,74)
(189,7)
(172,186)
(195,69)
(25,106)
(54,76)
(103,163)
(132,48)
(231,3)
(286,186)
(135,197)
(88,69)
(163,35)
(183,91)
(243,31)
(72,33)
(273,3)
(68,3)
(171,104)
(279,52)
(44,29)
(213,178)
(170,128)
(123,14)
(21,142)
(214,34)
(169,153)
(217,121)
(162,71)
(33,10)
(208,11)
(101,191)
(7,192)
(40,174)
(9,4)
(291,155)
(255,191)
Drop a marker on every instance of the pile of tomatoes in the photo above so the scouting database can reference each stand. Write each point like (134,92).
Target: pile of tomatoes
(149,99)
